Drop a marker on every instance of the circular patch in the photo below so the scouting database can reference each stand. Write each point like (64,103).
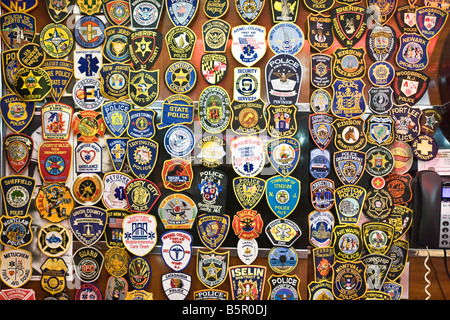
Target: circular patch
(403,156)
(56,39)
(179,141)
(87,189)
(31,55)
(89,31)
(86,94)
(180,77)
(424,147)
(380,161)
(381,73)
(282,260)
(320,101)
(286,37)
(378,182)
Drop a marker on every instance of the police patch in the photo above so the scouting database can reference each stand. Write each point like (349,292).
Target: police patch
(409,86)
(349,134)
(141,195)
(380,129)
(249,11)
(116,45)
(284,287)
(283,79)
(176,285)
(117,12)
(399,255)
(380,99)
(322,194)
(215,9)
(215,35)
(378,205)
(381,73)
(56,40)
(209,191)
(31,55)
(406,122)
(430,21)
(283,195)
(146,14)
(321,74)
(17,192)
(380,161)
(348,98)
(115,115)
(320,33)
(142,154)
(248,117)
(349,280)
(349,165)
(347,242)
(248,190)
(18,150)
(412,53)
(114,80)
(349,63)
(381,42)
(349,201)
(180,43)
(284,155)
(320,101)
(16,231)
(378,266)
(181,12)
(319,166)
(117,148)
(32,84)
(54,275)
(113,239)
(284,11)
(210,151)
(282,120)
(382,11)
(247,250)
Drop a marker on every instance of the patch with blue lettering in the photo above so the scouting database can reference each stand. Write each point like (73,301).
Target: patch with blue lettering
(319,166)
(248,44)
(87,63)
(176,249)
(321,224)
(348,98)
(213,229)
(117,148)
(16,113)
(176,109)
(430,20)
(286,37)
(114,184)
(142,154)
(17,192)
(283,195)
(349,165)
(247,282)
(139,233)
(412,53)
(179,141)
(284,155)
(141,123)
(88,224)
(115,115)
(141,195)
(181,12)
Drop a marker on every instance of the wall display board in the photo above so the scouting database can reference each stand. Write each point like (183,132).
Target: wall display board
(187,149)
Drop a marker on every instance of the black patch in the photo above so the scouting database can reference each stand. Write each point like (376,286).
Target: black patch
(320,33)
(349,24)
(409,86)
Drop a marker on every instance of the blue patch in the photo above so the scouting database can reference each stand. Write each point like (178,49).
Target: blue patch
(19,5)
(88,224)
(89,31)
(412,53)
(179,141)
(283,195)
(349,165)
(115,115)
(321,129)
(381,73)
(319,166)
(12,21)
(176,109)
(348,98)
(282,260)
(180,76)
(181,12)
(284,155)
(213,229)
(430,20)
(117,148)
(16,113)
(17,192)
(141,123)
(142,154)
